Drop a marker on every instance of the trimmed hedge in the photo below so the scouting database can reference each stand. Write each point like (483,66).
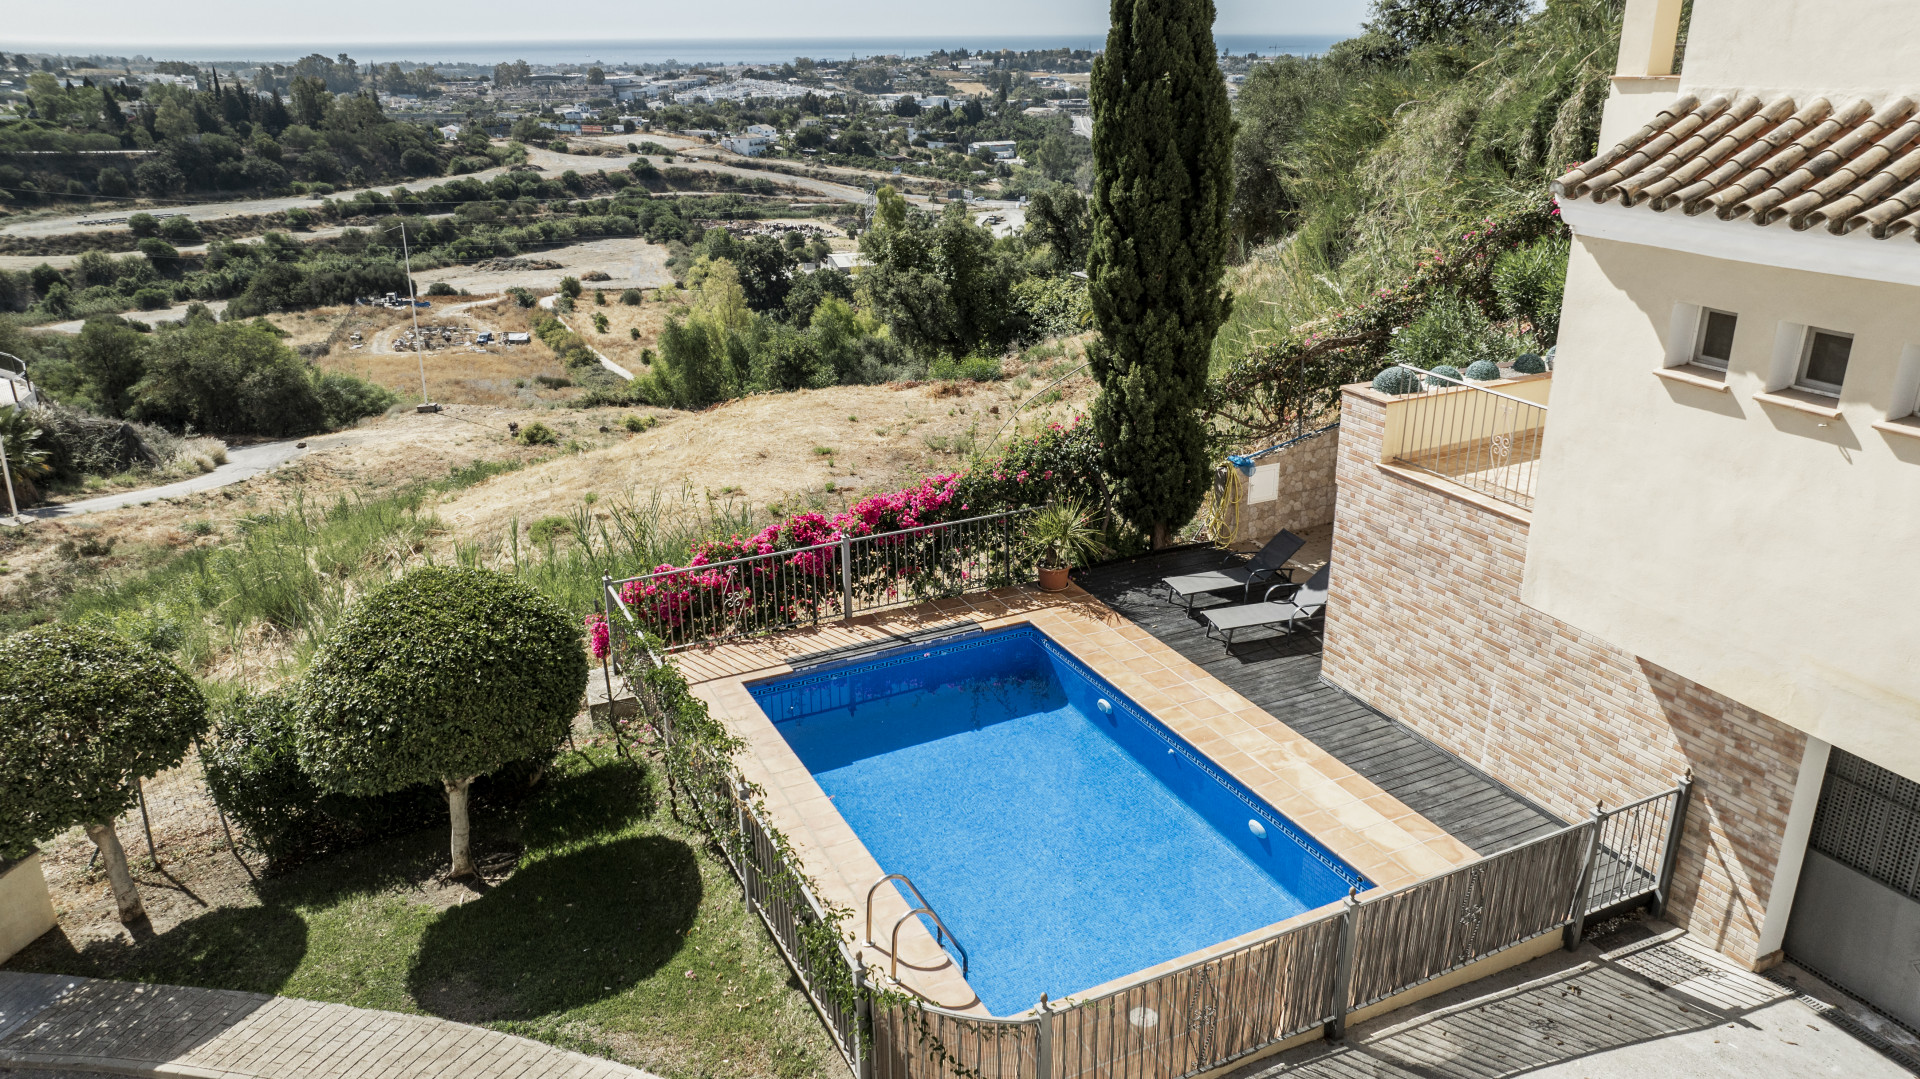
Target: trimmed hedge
(253,770)
(83,713)
(1396,380)
(443,674)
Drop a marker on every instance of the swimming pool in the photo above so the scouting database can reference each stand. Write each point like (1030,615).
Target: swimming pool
(1064,844)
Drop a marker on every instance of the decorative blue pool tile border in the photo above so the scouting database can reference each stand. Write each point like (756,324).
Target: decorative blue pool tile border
(913,653)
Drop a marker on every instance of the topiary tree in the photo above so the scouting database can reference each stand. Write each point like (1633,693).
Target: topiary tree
(441,676)
(1483,371)
(1444,372)
(1396,380)
(84,714)
(1530,364)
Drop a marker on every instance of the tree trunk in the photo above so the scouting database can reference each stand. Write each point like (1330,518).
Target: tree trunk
(125,895)
(462,834)
(1159,534)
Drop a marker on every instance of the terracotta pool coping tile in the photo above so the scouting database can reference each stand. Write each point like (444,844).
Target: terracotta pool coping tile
(1375,833)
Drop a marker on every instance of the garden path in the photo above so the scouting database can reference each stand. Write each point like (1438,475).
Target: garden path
(78,1025)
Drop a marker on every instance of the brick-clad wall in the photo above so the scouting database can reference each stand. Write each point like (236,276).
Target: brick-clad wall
(1305,488)
(1426,624)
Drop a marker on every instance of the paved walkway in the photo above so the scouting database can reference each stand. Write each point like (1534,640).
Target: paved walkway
(83,1025)
(243,463)
(1664,1006)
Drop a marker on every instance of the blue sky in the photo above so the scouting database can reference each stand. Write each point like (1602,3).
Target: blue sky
(143,25)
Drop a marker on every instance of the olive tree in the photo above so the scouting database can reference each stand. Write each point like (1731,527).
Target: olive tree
(442,676)
(84,715)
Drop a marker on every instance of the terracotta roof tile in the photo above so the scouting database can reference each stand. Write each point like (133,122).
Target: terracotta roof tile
(1807,164)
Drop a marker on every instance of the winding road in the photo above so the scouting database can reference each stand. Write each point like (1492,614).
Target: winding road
(243,463)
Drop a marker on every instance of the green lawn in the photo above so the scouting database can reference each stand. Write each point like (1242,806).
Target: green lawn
(619,934)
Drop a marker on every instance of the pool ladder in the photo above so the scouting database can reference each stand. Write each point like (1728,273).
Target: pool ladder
(941,933)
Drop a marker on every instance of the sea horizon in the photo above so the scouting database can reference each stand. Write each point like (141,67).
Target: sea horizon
(656,51)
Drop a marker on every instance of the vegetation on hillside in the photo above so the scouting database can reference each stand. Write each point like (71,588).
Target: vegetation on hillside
(225,137)
(1421,147)
(231,378)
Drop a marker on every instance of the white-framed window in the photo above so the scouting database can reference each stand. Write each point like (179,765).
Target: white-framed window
(1823,362)
(1713,340)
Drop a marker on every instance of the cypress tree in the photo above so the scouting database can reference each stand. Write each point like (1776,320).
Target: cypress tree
(1163,161)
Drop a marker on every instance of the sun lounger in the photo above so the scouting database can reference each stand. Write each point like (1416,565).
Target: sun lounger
(1265,567)
(1279,611)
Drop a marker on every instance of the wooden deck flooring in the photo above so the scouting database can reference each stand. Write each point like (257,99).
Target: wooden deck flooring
(1282,676)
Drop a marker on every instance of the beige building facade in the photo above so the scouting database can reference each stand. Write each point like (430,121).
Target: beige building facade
(1708,566)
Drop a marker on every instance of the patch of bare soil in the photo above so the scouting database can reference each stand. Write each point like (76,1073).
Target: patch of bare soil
(821,448)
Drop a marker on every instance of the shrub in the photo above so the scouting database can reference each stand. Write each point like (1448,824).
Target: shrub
(163,254)
(976,368)
(631,297)
(180,230)
(441,288)
(1444,372)
(637,424)
(1396,380)
(547,529)
(600,324)
(85,712)
(142,225)
(1483,371)
(1450,330)
(570,287)
(521,296)
(442,676)
(253,769)
(152,299)
(553,382)
(1530,283)
(1530,364)
(538,434)
(633,333)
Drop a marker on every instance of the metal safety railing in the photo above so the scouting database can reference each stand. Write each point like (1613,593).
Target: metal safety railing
(841,579)
(1207,1013)
(1480,438)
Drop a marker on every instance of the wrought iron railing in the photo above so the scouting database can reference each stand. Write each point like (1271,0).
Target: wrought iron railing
(1480,438)
(851,576)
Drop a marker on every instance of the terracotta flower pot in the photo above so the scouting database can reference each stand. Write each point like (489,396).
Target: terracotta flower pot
(1053,579)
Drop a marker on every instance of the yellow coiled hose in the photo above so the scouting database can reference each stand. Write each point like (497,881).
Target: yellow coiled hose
(1223,507)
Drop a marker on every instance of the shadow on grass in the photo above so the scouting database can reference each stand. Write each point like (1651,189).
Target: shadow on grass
(565,930)
(581,805)
(255,949)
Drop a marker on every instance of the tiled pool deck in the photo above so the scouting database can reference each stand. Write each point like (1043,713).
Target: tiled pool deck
(1376,834)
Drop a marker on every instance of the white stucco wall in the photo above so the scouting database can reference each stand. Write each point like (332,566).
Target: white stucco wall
(1850,48)
(1769,554)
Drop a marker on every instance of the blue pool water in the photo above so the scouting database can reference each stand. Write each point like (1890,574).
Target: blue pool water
(1065,846)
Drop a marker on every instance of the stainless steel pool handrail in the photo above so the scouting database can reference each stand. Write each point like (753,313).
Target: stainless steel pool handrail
(893,943)
(904,879)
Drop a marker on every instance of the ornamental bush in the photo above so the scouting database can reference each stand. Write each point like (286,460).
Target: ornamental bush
(1444,372)
(1530,364)
(1396,380)
(1483,371)
(440,677)
(84,714)
(253,770)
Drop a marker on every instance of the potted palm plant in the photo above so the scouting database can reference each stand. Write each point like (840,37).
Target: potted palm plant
(1061,536)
